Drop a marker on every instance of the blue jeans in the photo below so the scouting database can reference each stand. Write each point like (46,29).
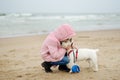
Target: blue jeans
(64,61)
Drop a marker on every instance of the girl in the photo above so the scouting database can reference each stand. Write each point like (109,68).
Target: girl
(52,52)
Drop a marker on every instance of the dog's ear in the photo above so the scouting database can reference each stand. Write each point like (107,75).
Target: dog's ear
(70,39)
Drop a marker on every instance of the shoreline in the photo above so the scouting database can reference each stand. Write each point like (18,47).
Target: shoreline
(46,33)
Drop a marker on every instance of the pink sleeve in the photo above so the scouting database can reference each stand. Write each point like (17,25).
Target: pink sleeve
(56,52)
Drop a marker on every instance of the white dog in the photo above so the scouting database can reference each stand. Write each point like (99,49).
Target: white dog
(89,55)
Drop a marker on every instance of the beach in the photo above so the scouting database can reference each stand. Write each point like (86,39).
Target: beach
(20,57)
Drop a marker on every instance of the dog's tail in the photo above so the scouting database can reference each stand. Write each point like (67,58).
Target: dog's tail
(96,50)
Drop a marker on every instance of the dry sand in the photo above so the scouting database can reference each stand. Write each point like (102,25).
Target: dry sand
(20,57)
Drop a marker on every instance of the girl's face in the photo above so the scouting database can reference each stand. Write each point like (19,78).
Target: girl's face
(66,43)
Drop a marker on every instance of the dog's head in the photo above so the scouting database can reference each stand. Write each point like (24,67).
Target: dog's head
(66,43)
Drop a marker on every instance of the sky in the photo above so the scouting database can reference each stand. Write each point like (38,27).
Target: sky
(59,6)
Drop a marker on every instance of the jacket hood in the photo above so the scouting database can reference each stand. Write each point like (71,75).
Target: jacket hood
(64,32)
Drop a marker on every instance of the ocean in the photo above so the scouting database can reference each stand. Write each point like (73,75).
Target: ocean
(22,24)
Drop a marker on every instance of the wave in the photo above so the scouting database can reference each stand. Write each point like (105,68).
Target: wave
(44,17)
(20,14)
(66,17)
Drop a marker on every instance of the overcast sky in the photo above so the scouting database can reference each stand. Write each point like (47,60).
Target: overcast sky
(60,6)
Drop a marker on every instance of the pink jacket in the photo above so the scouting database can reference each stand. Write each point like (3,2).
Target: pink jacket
(51,49)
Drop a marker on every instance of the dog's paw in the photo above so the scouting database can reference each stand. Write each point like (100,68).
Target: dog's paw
(70,71)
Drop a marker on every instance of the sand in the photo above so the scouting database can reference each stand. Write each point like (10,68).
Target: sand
(20,57)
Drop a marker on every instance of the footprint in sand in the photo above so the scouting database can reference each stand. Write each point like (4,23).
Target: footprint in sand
(5,55)
(28,74)
(19,76)
(12,50)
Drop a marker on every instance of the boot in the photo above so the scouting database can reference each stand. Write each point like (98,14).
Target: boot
(64,68)
(47,66)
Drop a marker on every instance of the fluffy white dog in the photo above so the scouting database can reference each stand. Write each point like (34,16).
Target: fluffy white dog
(89,55)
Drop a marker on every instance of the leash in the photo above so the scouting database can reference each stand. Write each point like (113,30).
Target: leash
(75,54)
(74,57)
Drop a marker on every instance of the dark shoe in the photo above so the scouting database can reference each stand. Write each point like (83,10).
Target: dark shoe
(63,68)
(47,66)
